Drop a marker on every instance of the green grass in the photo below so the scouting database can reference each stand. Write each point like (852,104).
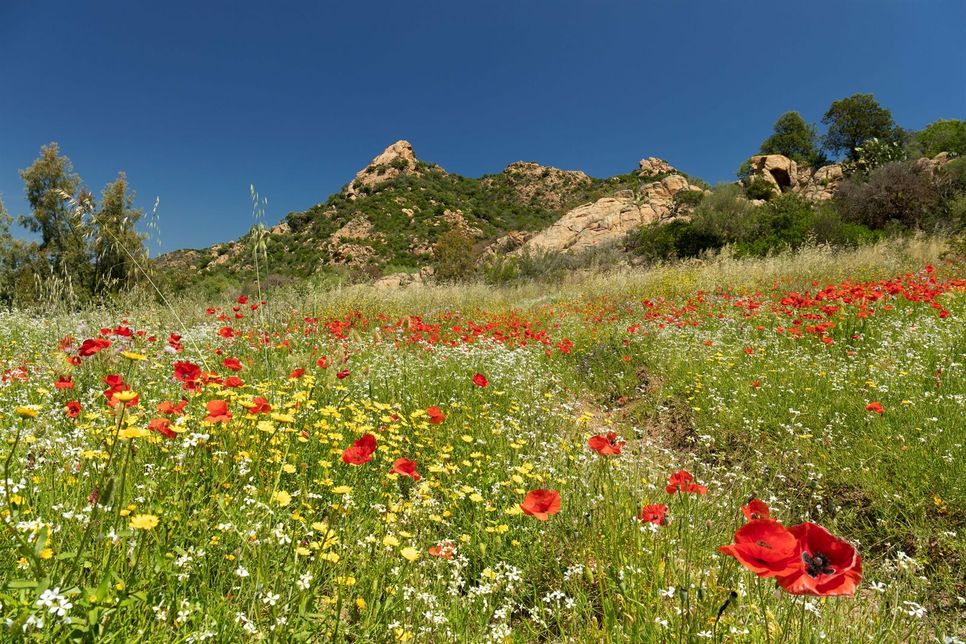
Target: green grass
(259,533)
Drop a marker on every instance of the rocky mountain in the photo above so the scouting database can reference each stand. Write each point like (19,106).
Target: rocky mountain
(388,219)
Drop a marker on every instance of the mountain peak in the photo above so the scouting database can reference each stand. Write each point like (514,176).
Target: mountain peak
(396,160)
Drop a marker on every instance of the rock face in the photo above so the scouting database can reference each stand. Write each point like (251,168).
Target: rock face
(609,219)
(652,165)
(405,280)
(396,160)
(785,175)
(541,186)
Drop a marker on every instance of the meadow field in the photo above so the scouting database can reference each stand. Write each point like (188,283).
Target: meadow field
(558,463)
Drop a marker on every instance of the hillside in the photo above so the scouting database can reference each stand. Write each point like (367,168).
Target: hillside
(390,216)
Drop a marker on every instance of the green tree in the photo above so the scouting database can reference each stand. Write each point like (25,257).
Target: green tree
(454,255)
(117,246)
(945,135)
(854,120)
(50,184)
(794,138)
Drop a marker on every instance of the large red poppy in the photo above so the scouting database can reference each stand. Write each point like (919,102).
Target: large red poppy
(436,415)
(162,426)
(217,411)
(480,380)
(73,409)
(186,372)
(541,504)
(766,548)
(828,565)
(360,451)
(656,514)
(606,444)
(756,509)
(405,467)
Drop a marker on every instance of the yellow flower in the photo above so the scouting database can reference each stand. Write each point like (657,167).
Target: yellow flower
(133,432)
(410,553)
(143,522)
(390,541)
(360,603)
(27,411)
(125,396)
(282,497)
(288,468)
(46,553)
(130,355)
(342,489)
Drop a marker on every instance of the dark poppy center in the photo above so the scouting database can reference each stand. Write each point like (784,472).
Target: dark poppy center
(817,564)
(763,544)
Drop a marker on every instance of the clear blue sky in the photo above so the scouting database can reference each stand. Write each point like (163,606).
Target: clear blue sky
(197,100)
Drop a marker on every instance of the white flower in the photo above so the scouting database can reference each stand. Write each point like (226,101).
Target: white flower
(241,572)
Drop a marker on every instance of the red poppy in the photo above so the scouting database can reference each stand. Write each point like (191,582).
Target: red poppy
(243,299)
(606,445)
(233,382)
(90,347)
(683,481)
(322,362)
(360,451)
(168,407)
(656,514)
(259,406)
(73,409)
(342,375)
(828,565)
(64,382)
(480,380)
(296,374)
(218,411)
(443,550)
(756,509)
(766,548)
(162,426)
(405,467)
(232,363)
(541,504)
(436,415)
(875,407)
(186,372)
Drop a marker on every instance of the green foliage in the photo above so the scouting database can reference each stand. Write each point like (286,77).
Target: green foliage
(854,120)
(872,154)
(760,188)
(903,193)
(454,255)
(794,138)
(945,135)
(117,247)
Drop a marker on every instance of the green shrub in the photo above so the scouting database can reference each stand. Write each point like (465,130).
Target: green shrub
(902,192)
(760,188)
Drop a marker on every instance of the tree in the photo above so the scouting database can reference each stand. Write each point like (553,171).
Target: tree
(795,139)
(454,255)
(945,135)
(50,185)
(117,247)
(854,120)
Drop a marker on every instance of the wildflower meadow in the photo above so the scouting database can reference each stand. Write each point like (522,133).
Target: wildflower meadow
(723,450)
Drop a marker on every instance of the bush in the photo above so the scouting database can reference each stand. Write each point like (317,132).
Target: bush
(760,188)
(946,135)
(902,192)
(454,255)
(677,239)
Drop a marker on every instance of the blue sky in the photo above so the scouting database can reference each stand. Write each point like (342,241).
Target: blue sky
(197,100)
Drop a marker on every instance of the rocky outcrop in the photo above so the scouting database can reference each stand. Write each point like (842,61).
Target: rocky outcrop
(538,185)
(784,175)
(609,219)
(652,166)
(405,280)
(396,160)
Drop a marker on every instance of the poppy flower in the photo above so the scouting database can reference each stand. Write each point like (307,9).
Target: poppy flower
(322,363)
(342,375)
(683,481)
(436,415)
(480,380)
(405,467)
(233,382)
(656,514)
(766,548)
(828,565)
(606,445)
(443,550)
(171,409)
(756,509)
(92,346)
(217,411)
(541,504)
(875,407)
(233,364)
(296,374)
(186,372)
(73,409)
(64,382)
(360,451)
(259,406)
(162,426)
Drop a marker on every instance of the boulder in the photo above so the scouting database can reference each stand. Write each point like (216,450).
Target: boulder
(396,160)
(652,166)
